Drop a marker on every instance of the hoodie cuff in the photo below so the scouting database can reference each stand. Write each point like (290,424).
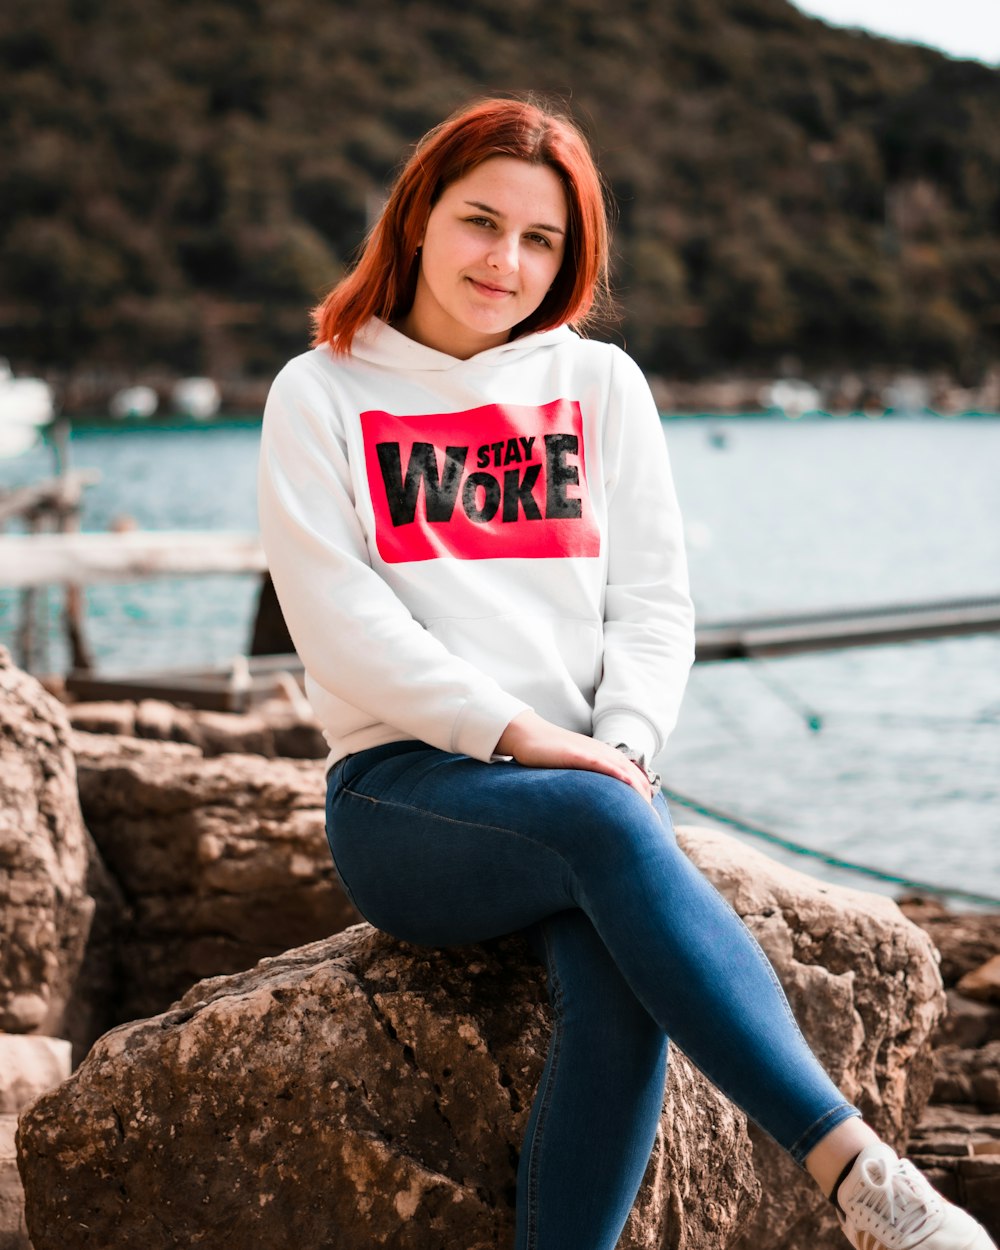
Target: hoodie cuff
(479,726)
(631,729)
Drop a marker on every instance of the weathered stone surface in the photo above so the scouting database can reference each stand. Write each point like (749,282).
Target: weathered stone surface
(864,986)
(92,1007)
(355,1093)
(29,1066)
(45,910)
(284,1047)
(13,1230)
(958,1150)
(982,983)
(965,940)
(220,861)
(969,1076)
(958,1146)
(275,728)
(968,1024)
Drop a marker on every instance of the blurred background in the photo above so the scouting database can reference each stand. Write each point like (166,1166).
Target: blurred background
(807,266)
(181,179)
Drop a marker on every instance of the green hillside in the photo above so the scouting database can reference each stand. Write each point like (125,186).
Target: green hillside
(181,180)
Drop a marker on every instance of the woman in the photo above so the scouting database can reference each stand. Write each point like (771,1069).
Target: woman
(470,522)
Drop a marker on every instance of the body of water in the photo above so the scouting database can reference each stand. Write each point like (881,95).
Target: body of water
(886,756)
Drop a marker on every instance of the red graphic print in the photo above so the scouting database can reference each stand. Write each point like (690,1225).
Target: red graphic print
(504,480)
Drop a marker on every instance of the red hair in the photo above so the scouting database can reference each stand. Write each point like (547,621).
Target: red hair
(383,282)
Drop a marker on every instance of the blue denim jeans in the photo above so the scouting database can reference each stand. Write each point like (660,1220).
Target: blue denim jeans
(442,849)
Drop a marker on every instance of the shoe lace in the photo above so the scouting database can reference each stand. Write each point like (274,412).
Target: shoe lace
(899,1198)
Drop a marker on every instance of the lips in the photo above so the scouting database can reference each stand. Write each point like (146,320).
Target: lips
(490,290)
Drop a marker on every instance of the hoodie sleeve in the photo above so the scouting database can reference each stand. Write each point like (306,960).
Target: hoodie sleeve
(648,616)
(355,637)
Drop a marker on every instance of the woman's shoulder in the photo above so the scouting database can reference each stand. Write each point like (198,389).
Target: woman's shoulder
(316,363)
(601,352)
(610,359)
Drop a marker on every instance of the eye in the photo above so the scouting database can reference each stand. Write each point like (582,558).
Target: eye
(480,221)
(542,239)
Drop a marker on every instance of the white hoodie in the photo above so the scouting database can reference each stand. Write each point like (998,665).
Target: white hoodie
(453,541)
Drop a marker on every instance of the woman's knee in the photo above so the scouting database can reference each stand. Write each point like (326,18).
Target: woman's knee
(613,834)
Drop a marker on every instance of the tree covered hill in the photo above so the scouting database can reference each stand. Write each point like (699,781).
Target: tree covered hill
(182,178)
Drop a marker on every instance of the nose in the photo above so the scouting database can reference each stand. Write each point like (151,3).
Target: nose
(504,253)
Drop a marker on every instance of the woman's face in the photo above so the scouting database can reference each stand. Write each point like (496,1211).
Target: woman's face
(491,249)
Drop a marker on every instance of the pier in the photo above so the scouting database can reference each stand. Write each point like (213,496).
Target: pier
(247,679)
(836,628)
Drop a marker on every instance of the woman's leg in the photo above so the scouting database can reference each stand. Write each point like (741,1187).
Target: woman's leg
(594,1118)
(442,849)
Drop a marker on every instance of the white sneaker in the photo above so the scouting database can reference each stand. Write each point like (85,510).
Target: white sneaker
(889,1205)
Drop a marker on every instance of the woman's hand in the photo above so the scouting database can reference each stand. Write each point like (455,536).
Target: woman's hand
(534,741)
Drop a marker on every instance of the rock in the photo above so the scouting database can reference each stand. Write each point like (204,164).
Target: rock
(105,717)
(966,940)
(13,1230)
(219,861)
(29,1066)
(45,910)
(357,1092)
(276,727)
(947,1118)
(958,1150)
(967,1024)
(957,1142)
(968,1076)
(864,986)
(982,983)
(94,1005)
(362,1027)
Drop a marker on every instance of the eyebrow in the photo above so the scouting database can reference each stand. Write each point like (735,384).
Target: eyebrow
(496,213)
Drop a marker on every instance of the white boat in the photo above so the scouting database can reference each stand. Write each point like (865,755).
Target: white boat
(792,396)
(134,403)
(907,396)
(26,407)
(196,397)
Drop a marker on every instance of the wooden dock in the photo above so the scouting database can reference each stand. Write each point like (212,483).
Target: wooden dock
(831,630)
(50,559)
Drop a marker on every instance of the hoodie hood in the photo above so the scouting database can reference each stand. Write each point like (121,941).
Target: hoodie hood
(379,344)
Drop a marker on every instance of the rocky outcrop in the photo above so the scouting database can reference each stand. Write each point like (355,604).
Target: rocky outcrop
(413,1070)
(220,862)
(45,909)
(864,986)
(982,984)
(358,1092)
(958,1150)
(30,1065)
(278,727)
(13,1229)
(381,1090)
(957,1142)
(964,940)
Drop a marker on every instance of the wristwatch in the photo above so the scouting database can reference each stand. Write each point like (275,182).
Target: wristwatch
(637,757)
